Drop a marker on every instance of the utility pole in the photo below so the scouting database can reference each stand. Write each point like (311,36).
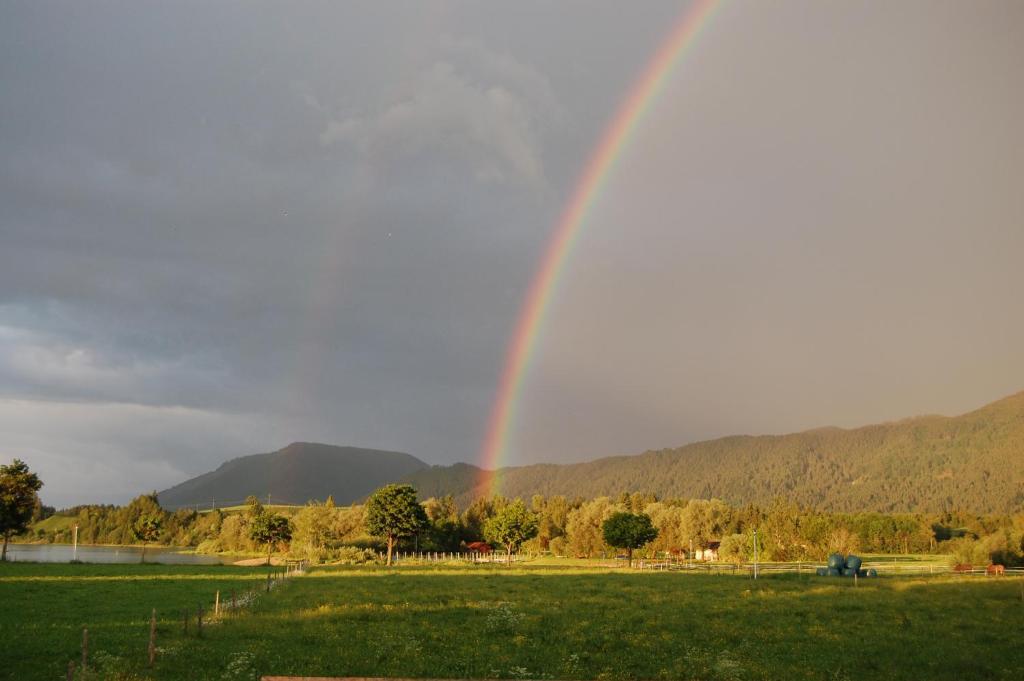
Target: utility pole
(755,554)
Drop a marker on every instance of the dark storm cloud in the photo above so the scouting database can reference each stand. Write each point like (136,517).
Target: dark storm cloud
(320,217)
(227,226)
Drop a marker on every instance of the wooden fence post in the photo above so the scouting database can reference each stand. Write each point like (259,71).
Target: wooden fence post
(85,650)
(216,603)
(71,671)
(152,638)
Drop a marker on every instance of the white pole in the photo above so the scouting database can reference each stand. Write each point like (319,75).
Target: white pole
(74,555)
(755,554)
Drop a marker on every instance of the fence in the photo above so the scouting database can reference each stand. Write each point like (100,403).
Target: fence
(454,557)
(193,621)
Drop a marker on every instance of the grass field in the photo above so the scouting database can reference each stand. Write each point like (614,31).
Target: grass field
(543,622)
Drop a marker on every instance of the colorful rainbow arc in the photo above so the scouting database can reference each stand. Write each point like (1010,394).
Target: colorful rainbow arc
(595,175)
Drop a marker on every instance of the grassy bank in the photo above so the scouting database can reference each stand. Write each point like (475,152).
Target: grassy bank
(542,622)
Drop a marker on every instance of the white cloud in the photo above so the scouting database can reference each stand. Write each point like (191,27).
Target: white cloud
(487,117)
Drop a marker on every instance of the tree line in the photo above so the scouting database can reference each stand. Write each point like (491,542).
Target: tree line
(393,519)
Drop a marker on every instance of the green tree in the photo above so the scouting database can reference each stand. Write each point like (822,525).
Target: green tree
(583,527)
(18,488)
(255,509)
(476,516)
(628,531)
(445,530)
(511,526)
(735,548)
(270,529)
(314,530)
(392,512)
(145,529)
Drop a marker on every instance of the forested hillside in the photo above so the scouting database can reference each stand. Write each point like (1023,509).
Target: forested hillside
(924,464)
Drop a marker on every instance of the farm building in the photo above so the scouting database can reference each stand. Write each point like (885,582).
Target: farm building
(708,553)
(479,547)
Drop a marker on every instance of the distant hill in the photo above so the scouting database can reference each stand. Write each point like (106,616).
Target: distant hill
(928,464)
(294,475)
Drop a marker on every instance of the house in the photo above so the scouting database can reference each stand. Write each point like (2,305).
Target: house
(479,547)
(708,553)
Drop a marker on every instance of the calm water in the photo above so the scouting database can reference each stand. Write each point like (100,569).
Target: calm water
(62,553)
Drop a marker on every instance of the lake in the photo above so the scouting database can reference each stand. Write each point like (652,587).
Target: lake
(63,553)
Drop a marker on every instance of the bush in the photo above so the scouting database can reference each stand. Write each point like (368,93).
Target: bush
(351,555)
(209,546)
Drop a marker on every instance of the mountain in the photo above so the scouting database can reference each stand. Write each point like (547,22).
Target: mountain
(927,464)
(971,462)
(294,475)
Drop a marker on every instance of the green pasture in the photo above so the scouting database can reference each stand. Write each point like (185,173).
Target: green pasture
(524,622)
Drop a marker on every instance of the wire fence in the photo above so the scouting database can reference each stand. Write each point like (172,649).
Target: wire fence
(193,621)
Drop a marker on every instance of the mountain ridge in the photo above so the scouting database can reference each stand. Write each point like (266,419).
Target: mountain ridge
(926,463)
(294,474)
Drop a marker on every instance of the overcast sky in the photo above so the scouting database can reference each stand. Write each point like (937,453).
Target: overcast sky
(228,226)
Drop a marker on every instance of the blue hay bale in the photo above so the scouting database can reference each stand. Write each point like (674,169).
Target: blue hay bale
(872,572)
(853,562)
(834,572)
(821,572)
(836,562)
(862,573)
(849,572)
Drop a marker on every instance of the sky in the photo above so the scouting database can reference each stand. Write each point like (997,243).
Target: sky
(228,226)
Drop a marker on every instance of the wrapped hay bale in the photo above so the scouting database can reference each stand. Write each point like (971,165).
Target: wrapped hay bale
(872,572)
(853,562)
(836,562)
(849,572)
(821,572)
(833,572)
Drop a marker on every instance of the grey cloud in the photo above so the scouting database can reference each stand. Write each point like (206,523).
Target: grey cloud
(487,127)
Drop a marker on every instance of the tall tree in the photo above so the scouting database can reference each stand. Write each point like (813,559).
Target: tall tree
(511,526)
(270,529)
(628,531)
(18,488)
(392,512)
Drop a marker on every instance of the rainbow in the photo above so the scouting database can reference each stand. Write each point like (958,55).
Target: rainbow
(595,175)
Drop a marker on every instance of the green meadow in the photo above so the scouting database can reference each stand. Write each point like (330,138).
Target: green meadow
(524,622)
